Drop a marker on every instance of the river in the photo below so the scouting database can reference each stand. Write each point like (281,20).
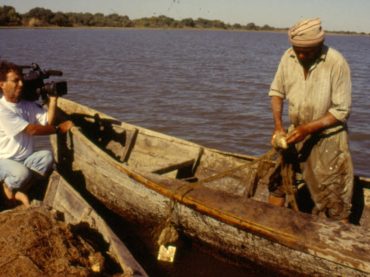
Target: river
(209,87)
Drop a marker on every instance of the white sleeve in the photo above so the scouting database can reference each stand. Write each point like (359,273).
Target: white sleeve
(38,115)
(42,117)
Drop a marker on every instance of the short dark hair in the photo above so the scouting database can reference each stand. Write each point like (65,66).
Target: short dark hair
(6,67)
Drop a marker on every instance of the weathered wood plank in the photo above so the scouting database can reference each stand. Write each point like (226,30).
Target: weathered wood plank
(242,227)
(62,197)
(174,166)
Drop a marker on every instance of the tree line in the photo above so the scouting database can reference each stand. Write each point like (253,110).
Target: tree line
(41,17)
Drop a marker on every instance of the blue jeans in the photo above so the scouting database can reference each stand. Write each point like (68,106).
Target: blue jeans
(16,174)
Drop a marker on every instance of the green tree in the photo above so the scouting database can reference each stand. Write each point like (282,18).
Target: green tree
(115,20)
(237,26)
(126,22)
(188,22)
(218,24)
(72,18)
(85,19)
(60,19)
(43,15)
(203,23)
(164,21)
(267,28)
(9,16)
(251,26)
(98,20)
(156,22)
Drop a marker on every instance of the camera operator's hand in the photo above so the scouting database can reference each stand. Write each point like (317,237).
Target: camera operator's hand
(42,130)
(64,127)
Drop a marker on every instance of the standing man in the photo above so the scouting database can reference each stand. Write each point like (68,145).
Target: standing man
(316,81)
(20,120)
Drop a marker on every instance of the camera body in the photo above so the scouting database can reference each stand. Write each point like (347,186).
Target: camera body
(34,86)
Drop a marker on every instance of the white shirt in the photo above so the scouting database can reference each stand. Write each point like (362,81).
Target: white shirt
(16,144)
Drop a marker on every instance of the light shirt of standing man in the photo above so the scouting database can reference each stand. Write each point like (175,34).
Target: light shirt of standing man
(315,80)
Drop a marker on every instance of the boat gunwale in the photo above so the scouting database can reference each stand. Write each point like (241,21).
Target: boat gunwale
(273,234)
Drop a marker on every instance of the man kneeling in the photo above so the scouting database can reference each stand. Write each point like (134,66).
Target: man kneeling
(20,120)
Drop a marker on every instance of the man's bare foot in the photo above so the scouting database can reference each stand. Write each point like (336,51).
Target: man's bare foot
(23,198)
(9,200)
(8,192)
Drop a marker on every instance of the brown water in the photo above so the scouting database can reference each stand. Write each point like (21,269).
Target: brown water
(206,86)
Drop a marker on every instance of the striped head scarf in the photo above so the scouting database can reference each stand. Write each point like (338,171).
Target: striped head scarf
(306,33)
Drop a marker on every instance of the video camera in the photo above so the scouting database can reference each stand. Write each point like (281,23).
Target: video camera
(34,86)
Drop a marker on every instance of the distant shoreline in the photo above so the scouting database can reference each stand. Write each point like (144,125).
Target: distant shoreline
(43,18)
(335,33)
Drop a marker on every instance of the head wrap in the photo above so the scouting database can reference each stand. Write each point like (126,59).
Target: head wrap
(306,33)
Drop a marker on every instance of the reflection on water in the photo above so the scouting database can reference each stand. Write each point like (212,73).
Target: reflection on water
(206,86)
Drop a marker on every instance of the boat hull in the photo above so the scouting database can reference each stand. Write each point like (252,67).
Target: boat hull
(239,227)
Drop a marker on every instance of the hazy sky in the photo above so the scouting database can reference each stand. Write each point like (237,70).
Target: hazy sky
(336,15)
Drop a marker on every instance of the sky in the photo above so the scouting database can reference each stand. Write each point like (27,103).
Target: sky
(336,15)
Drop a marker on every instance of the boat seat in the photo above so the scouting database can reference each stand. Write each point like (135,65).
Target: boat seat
(130,142)
(123,143)
(173,166)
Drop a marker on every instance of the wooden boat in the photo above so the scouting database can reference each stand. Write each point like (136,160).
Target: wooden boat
(215,197)
(61,196)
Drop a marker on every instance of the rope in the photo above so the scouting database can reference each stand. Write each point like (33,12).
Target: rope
(267,157)
(286,171)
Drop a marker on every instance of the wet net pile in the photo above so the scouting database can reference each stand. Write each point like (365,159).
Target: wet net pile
(33,242)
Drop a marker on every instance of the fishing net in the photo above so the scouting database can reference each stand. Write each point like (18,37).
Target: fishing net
(33,242)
